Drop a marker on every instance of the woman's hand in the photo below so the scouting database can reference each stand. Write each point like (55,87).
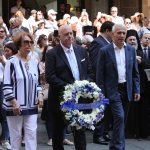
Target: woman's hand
(40,100)
(16,107)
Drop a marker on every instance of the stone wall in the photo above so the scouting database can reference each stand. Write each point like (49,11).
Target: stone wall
(146,7)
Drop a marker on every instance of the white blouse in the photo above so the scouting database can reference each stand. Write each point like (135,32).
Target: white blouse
(21,81)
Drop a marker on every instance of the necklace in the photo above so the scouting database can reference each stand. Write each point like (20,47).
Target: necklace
(26,64)
(25,61)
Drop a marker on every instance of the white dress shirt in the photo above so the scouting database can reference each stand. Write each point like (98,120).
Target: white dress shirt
(69,52)
(121,63)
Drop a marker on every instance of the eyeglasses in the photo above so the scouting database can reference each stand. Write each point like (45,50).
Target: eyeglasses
(2,31)
(27,42)
(128,22)
(114,11)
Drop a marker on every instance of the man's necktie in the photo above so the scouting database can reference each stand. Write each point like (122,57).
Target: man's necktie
(73,64)
(145,53)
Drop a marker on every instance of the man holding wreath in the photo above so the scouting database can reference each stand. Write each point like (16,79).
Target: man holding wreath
(64,64)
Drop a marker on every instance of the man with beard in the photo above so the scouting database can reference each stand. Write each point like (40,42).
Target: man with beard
(133,40)
(133,120)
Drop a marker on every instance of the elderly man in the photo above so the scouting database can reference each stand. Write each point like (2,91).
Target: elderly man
(117,75)
(64,64)
(145,85)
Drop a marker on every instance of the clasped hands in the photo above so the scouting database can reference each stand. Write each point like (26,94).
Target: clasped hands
(16,107)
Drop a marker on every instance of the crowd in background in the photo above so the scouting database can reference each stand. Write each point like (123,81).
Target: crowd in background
(39,32)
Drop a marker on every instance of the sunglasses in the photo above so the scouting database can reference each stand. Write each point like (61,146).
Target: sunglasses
(2,31)
(128,22)
(45,39)
(27,42)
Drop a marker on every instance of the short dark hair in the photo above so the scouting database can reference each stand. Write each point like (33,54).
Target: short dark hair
(12,47)
(107,25)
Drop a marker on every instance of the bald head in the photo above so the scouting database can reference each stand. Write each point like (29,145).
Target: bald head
(66,35)
(63,27)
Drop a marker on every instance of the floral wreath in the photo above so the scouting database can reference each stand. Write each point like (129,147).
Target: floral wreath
(74,109)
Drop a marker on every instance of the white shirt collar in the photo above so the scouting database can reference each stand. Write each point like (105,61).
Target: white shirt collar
(65,48)
(144,47)
(115,46)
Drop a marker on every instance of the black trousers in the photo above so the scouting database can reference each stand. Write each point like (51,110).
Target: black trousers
(58,133)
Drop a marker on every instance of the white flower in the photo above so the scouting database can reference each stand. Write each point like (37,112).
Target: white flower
(73,92)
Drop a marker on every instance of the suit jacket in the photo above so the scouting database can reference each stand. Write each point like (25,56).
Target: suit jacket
(96,45)
(145,64)
(107,74)
(58,72)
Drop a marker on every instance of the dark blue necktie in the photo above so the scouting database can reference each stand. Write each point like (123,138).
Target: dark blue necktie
(145,53)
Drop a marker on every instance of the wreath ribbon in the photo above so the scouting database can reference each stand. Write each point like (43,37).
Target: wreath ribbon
(71,105)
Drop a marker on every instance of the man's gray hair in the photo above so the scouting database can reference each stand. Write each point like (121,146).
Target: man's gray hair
(118,26)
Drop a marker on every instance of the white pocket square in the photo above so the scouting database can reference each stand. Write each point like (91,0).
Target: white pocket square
(83,60)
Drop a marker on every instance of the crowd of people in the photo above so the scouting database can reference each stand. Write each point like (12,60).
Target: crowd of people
(40,55)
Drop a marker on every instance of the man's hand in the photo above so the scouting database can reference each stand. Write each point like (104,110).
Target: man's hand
(136,97)
(138,58)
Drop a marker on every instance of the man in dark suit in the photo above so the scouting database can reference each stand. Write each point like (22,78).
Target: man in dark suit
(117,75)
(145,86)
(100,135)
(132,126)
(64,64)
(102,40)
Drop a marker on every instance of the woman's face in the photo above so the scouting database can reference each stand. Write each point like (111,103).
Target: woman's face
(7,52)
(26,45)
(137,18)
(44,41)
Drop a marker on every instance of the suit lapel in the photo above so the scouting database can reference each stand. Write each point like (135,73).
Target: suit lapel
(112,55)
(78,58)
(148,53)
(127,57)
(62,54)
